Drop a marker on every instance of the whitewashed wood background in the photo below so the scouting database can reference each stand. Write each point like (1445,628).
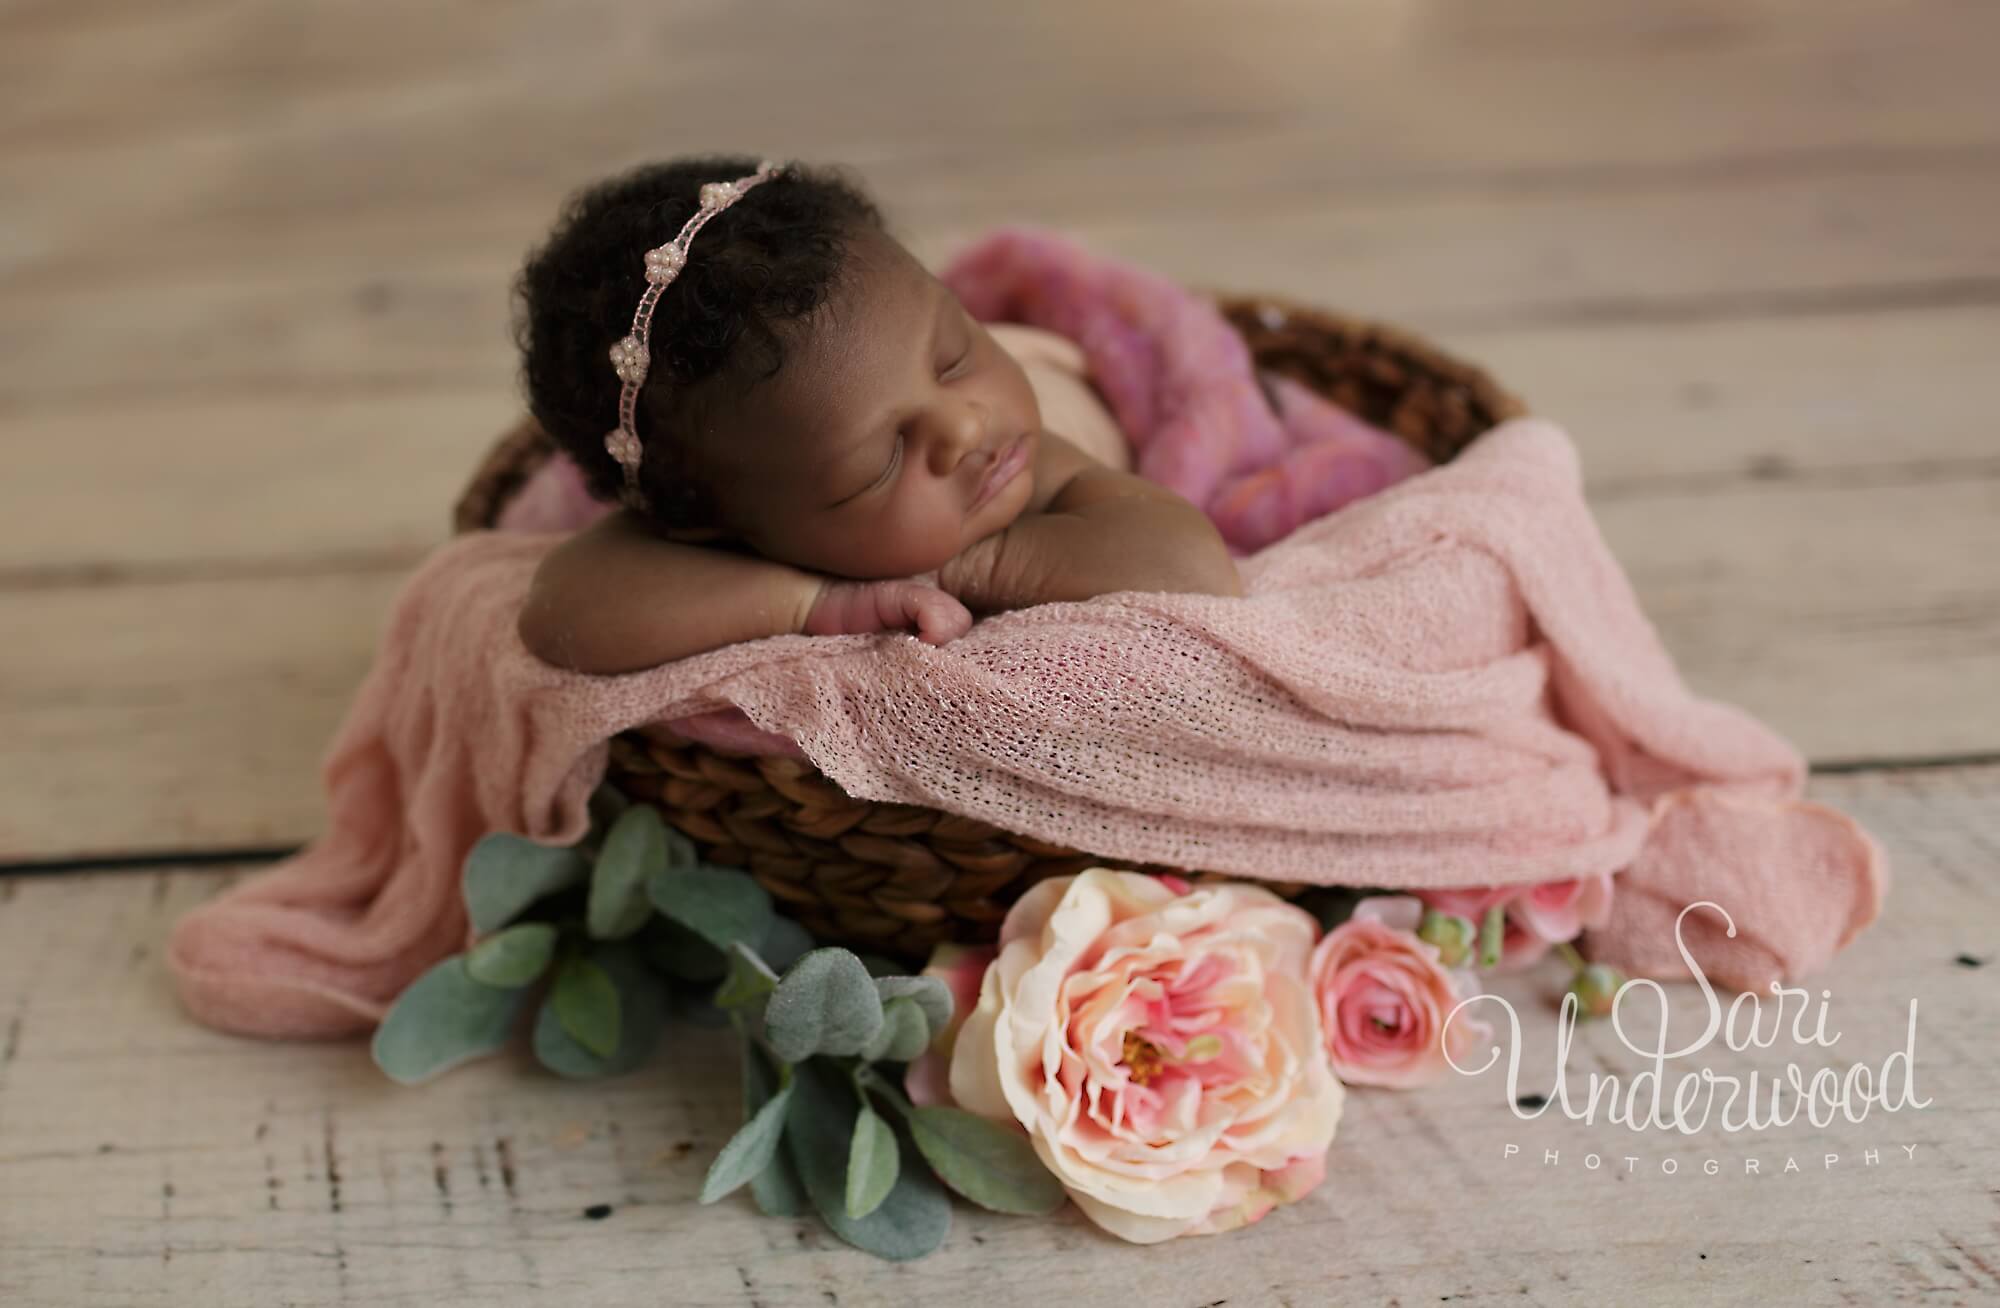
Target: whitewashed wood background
(254,260)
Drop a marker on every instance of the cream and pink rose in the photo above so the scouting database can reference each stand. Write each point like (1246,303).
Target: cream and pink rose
(1157,1043)
(1384,998)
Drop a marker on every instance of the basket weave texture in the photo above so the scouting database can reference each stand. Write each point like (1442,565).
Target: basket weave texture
(899,878)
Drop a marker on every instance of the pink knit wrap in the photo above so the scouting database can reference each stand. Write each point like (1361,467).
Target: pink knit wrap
(1447,683)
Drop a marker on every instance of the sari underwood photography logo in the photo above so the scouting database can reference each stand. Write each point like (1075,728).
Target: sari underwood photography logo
(1677,1090)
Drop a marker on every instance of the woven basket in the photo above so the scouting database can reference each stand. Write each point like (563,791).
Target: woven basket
(899,878)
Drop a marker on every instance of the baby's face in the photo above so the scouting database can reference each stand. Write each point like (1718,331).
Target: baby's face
(866,454)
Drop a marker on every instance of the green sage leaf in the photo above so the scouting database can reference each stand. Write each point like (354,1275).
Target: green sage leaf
(721,905)
(634,849)
(643,1001)
(904,1033)
(750,1150)
(777,1189)
(785,942)
(682,954)
(442,1019)
(915,1217)
(824,1004)
(513,957)
(505,873)
(607,802)
(749,982)
(931,994)
(872,1163)
(990,1163)
(585,1000)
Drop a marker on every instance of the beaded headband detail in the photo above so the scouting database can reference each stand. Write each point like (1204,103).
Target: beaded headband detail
(629,356)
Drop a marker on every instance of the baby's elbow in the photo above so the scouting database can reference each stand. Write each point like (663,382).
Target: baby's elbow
(1230,582)
(539,634)
(1170,577)
(1211,577)
(1196,560)
(1201,566)
(549,629)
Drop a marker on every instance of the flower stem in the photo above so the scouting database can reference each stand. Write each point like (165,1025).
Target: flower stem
(1570,955)
(1491,933)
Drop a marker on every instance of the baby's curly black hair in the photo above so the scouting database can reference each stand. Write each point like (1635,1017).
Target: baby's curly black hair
(773,259)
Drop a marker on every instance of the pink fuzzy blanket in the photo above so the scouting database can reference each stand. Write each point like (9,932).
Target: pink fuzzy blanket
(1446,683)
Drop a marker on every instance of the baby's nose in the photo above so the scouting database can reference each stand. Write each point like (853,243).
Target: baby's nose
(960,429)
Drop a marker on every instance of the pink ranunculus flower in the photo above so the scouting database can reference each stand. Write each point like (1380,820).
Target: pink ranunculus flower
(1384,998)
(1519,947)
(1468,901)
(1539,914)
(1556,911)
(1549,913)
(1160,1048)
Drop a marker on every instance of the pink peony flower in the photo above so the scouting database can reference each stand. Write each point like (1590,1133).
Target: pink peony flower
(1160,1048)
(1383,999)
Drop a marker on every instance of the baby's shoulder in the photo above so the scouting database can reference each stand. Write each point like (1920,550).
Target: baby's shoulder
(1039,346)
(1059,374)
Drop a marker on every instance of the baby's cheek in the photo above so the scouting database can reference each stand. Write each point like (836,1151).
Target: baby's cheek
(905,543)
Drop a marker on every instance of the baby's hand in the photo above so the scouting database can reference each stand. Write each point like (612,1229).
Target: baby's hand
(845,608)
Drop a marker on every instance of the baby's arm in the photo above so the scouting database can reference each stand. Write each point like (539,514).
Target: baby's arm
(615,597)
(1103,531)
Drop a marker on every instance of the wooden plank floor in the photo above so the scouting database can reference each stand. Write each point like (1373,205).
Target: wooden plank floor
(254,259)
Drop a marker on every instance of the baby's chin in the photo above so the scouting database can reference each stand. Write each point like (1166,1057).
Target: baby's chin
(1006,510)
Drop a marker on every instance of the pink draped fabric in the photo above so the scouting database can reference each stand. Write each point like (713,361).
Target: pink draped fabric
(1448,682)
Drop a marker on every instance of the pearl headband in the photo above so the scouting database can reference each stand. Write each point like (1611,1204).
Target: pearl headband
(629,356)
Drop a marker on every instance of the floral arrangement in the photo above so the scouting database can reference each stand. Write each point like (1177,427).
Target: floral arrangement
(1171,1058)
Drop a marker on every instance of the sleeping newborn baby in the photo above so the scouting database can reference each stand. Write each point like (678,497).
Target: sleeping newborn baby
(827,441)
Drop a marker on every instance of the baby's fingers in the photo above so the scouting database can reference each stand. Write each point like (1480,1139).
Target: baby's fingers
(940,617)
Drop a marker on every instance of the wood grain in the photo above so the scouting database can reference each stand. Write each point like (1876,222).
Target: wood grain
(169,1163)
(329,302)
(360,469)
